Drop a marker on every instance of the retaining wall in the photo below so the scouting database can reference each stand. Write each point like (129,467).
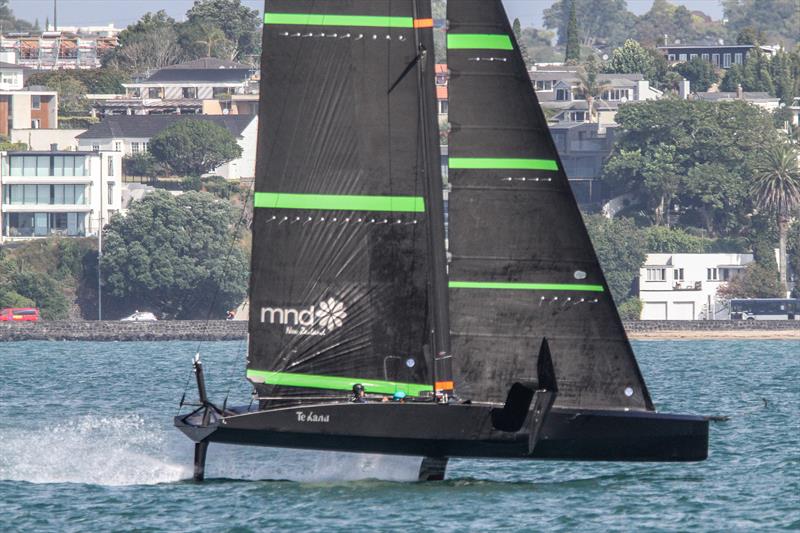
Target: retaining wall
(235,329)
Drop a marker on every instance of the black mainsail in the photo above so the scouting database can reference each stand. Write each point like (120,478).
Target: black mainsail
(342,263)
(523,267)
(349,282)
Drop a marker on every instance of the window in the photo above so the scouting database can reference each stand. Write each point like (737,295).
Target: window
(190,92)
(145,146)
(134,148)
(692,56)
(616,95)
(577,116)
(682,57)
(671,57)
(726,61)
(36,101)
(110,166)
(737,58)
(95,147)
(706,56)
(712,274)
(678,274)
(443,106)
(656,274)
(110,192)
(35,124)
(154,92)
(715,59)
(544,85)
(563,95)
(117,146)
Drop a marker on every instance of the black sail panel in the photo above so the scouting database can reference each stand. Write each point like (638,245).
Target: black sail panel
(523,267)
(341,260)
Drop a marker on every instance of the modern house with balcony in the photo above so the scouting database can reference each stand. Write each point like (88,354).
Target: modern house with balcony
(58,193)
(684,286)
(12,77)
(208,84)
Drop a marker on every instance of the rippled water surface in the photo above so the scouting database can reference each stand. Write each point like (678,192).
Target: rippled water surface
(87,443)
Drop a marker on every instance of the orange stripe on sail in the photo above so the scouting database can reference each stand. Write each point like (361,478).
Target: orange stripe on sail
(423,23)
(444,385)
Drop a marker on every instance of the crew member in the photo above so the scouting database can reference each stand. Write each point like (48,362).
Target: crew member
(359,395)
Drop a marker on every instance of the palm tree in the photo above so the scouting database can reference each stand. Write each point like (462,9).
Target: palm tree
(777,189)
(589,86)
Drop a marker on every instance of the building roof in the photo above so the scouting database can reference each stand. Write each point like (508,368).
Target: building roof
(572,76)
(146,126)
(209,63)
(3,64)
(747,96)
(207,75)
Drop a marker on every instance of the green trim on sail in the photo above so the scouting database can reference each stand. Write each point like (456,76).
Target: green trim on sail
(478,41)
(337,202)
(307,19)
(504,163)
(313,381)
(525,286)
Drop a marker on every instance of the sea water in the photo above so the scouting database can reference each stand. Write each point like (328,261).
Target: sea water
(87,444)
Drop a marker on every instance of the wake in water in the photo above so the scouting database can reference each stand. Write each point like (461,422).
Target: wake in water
(92,450)
(128,451)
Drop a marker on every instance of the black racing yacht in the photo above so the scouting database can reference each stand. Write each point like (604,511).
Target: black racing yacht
(501,340)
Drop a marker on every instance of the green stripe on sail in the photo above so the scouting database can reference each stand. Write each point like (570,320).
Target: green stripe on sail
(336,202)
(307,19)
(482,41)
(488,163)
(313,381)
(525,286)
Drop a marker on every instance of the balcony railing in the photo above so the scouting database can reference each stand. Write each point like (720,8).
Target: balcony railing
(690,286)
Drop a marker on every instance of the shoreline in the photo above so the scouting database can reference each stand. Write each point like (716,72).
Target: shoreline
(222,330)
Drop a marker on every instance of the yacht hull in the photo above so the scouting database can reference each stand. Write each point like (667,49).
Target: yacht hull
(459,430)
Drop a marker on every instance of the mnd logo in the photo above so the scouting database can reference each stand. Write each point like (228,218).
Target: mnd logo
(316,320)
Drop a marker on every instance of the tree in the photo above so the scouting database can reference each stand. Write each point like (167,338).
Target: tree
(239,24)
(141,164)
(523,49)
(589,86)
(659,239)
(697,156)
(793,251)
(177,256)
(776,189)
(203,39)
(620,247)
(677,23)
(96,81)
(699,72)
(600,21)
(573,53)
(192,147)
(778,20)
(71,93)
(150,43)
(632,58)
(44,291)
(757,281)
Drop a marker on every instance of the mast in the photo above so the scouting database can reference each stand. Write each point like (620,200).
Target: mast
(431,157)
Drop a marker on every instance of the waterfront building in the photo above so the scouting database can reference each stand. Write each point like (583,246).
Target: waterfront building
(684,286)
(720,55)
(65,193)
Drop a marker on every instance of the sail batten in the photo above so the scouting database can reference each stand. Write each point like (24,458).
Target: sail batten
(335,202)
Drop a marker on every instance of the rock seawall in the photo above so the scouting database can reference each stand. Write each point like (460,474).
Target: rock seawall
(218,330)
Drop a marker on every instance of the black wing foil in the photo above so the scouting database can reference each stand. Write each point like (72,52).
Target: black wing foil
(523,267)
(340,263)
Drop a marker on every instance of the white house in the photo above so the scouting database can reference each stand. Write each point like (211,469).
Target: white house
(11,77)
(684,286)
(58,193)
(131,134)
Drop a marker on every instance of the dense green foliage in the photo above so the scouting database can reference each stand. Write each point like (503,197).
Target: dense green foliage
(176,256)
(779,20)
(621,249)
(757,281)
(224,29)
(192,147)
(573,53)
(141,164)
(631,309)
(9,23)
(779,76)
(46,274)
(599,21)
(693,158)
(94,81)
(699,72)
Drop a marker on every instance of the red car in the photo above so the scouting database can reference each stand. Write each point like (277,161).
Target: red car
(26,314)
